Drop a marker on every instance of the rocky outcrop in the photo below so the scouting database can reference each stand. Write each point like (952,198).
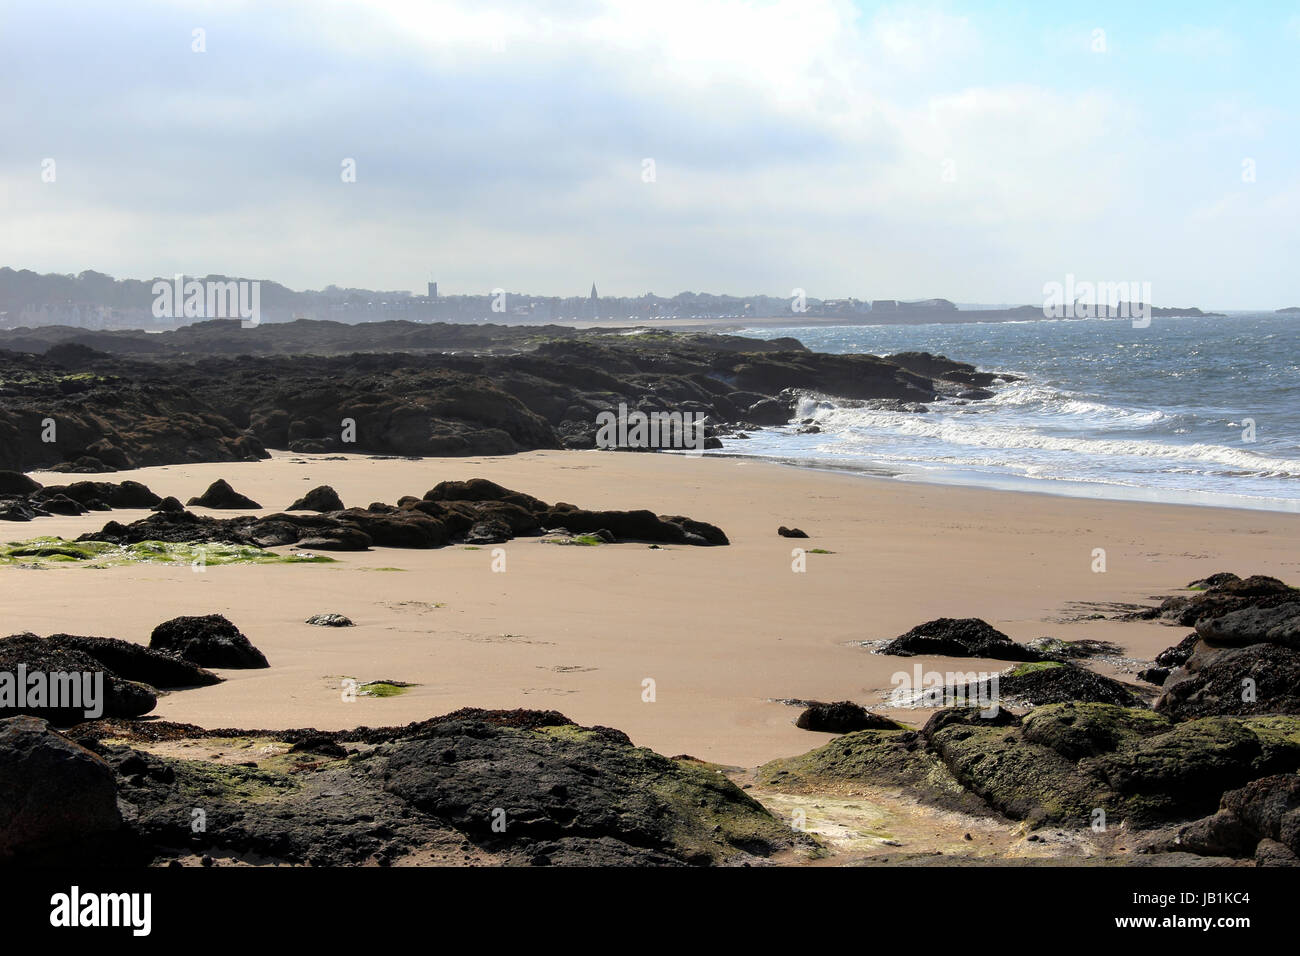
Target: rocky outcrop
(221,496)
(513,787)
(1277,624)
(1221,594)
(209,641)
(1258,679)
(1244,657)
(1049,682)
(322,498)
(472,512)
(1072,765)
(108,420)
(462,771)
(39,664)
(1262,820)
(959,637)
(1052,682)
(208,393)
(39,501)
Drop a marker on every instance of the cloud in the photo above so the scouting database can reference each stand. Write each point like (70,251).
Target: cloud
(797,142)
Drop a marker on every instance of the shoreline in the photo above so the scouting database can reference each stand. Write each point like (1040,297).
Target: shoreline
(726,632)
(1050,487)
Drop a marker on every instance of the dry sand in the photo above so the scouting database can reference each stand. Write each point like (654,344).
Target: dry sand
(721,631)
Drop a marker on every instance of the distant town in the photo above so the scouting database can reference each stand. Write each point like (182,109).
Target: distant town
(93,300)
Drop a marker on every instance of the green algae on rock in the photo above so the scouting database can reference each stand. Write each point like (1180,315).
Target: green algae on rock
(57,552)
(1058,765)
(508,787)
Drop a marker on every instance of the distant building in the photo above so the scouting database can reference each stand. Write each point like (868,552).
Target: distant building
(433,290)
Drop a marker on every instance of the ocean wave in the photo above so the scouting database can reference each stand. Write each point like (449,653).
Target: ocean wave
(868,429)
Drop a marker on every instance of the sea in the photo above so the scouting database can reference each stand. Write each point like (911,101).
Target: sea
(1197,410)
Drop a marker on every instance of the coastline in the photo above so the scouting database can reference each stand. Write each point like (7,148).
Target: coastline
(725,633)
(1052,487)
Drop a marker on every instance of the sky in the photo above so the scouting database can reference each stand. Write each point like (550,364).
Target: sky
(972,151)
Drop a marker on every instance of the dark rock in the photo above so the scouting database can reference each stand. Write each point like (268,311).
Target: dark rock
(972,716)
(121,698)
(1213,581)
(322,498)
(102,495)
(341,539)
(1258,679)
(330,620)
(170,505)
(63,505)
(1052,682)
(1279,624)
(1195,762)
(17,484)
(697,532)
(1059,649)
(625,525)
(1078,730)
(1271,853)
(1264,811)
(1177,655)
(575,795)
(1154,675)
(210,641)
(769,412)
(785,532)
(136,663)
(221,496)
(842,717)
(480,489)
(18,510)
(177,527)
(403,529)
(488,532)
(1256,591)
(477,511)
(959,637)
(54,794)
(321,745)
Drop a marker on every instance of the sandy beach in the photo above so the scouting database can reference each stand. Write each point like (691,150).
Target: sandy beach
(724,633)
